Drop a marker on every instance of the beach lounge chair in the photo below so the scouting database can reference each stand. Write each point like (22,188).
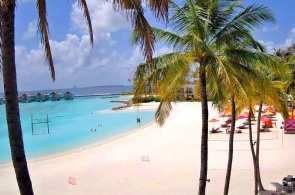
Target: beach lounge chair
(215,130)
(243,127)
(225,125)
(236,131)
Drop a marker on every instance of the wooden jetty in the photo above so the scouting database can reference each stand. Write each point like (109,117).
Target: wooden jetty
(102,96)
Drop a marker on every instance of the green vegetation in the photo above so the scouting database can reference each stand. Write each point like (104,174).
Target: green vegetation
(213,42)
(150,99)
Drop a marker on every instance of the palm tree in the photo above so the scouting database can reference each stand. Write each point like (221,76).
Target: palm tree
(11,99)
(267,90)
(205,36)
(10,83)
(133,10)
(239,84)
(287,56)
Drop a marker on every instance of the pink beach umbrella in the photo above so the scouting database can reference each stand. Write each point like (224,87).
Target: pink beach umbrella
(242,117)
(213,121)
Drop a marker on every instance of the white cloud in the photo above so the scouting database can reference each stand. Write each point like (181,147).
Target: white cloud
(76,62)
(31,30)
(291,39)
(103,18)
(162,51)
(270,46)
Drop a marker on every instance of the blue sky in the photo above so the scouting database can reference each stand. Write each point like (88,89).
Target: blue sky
(112,56)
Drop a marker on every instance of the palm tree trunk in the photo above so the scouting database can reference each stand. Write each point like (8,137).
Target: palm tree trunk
(231,146)
(204,141)
(252,151)
(261,188)
(11,98)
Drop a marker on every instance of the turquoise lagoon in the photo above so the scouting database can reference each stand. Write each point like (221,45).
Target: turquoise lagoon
(70,125)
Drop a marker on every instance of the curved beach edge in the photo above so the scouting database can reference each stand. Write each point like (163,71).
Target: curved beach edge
(162,160)
(146,107)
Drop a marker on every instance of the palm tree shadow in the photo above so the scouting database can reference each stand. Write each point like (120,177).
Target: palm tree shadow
(281,188)
(277,185)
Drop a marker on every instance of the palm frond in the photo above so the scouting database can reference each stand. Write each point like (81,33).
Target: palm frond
(163,112)
(44,31)
(177,42)
(159,9)
(142,34)
(83,5)
(252,17)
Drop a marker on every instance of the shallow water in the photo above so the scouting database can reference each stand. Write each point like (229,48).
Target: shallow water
(70,125)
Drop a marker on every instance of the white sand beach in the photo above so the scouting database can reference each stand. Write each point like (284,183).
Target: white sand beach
(117,167)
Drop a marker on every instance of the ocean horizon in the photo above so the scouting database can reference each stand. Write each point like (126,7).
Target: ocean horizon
(84,90)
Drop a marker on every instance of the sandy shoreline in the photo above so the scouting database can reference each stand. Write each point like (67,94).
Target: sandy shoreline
(116,167)
(148,107)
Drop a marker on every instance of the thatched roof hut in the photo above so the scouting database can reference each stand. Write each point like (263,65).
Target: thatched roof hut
(68,95)
(55,96)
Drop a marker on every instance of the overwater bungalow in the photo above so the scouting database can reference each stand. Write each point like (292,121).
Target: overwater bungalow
(25,98)
(47,96)
(19,97)
(42,97)
(55,96)
(68,95)
(33,97)
(1,101)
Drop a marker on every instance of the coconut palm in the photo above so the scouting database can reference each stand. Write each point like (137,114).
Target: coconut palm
(133,10)
(287,57)
(244,86)
(267,90)
(10,83)
(205,34)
